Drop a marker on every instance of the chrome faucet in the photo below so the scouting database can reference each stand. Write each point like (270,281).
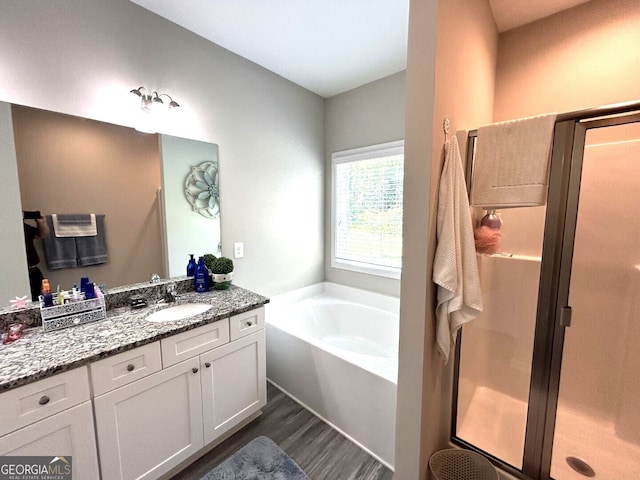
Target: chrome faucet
(155,278)
(170,293)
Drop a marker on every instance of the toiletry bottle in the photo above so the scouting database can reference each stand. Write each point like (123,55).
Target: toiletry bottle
(201,277)
(89,292)
(47,298)
(59,296)
(191,266)
(75,294)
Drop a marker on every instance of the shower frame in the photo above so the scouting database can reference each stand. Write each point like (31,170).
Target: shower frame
(553,314)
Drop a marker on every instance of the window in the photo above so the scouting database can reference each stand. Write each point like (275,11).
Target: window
(367,209)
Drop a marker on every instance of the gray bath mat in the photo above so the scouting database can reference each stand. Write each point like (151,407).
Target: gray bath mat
(260,459)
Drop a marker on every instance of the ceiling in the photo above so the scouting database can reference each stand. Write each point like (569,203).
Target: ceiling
(326,46)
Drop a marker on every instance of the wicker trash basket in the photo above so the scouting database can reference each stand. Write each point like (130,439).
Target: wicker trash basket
(457,464)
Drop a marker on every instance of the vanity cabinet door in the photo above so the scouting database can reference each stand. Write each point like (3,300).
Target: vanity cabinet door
(234,384)
(149,426)
(66,434)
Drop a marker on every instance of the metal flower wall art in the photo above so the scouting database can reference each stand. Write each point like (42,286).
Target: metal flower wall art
(201,189)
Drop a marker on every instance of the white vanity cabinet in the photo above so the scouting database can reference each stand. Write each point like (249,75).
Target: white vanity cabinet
(208,384)
(234,384)
(233,374)
(151,425)
(52,417)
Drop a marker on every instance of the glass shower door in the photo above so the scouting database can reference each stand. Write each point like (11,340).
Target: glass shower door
(597,424)
(496,348)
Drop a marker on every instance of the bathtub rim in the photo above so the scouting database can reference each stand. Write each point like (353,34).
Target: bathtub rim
(373,365)
(371,298)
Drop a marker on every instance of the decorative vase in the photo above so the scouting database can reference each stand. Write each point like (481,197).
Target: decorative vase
(222,281)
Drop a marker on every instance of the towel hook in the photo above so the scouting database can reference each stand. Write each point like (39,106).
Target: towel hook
(446,124)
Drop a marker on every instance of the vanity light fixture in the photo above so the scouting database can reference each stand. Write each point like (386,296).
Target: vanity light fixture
(152,101)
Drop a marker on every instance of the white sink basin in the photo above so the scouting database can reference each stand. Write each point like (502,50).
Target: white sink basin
(179,312)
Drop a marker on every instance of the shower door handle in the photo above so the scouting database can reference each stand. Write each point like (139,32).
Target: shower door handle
(565,316)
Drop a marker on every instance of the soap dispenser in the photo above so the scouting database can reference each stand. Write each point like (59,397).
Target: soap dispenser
(201,277)
(191,266)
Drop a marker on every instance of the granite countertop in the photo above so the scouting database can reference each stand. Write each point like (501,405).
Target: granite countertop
(38,354)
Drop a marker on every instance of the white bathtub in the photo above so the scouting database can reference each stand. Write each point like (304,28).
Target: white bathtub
(335,350)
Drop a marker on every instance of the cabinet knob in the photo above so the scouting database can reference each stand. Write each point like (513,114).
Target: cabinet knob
(43,400)
(207,364)
(249,324)
(194,370)
(130,367)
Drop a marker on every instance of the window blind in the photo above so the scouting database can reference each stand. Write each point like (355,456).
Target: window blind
(368,210)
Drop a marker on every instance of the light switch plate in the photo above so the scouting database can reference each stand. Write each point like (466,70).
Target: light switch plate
(238,250)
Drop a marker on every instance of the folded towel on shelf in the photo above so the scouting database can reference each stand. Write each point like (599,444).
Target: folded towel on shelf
(60,252)
(511,163)
(74,225)
(455,268)
(93,250)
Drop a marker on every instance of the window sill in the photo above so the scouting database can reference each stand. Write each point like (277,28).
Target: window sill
(368,269)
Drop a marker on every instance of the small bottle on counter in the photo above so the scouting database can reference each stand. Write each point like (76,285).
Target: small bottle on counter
(89,291)
(47,298)
(191,266)
(59,296)
(76,296)
(201,277)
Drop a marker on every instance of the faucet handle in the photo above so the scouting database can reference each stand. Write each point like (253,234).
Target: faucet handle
(171,294)
(155,278)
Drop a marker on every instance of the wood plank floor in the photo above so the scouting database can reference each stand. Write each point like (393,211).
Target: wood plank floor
(322,452)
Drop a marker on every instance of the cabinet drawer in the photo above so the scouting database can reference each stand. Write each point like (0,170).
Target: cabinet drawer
(185,345)
(35,401)
(116,371)
(245,323)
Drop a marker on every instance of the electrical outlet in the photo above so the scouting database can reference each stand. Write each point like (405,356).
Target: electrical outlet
(238,250)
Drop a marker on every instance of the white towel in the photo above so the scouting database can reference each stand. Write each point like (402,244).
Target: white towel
(455,268)
(511,164)
(74,225)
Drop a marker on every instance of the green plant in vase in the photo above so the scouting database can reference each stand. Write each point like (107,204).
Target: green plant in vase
(209,260)
(222,270)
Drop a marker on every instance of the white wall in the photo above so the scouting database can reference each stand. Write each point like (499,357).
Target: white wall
(450,73)
(418,391)
(367,115)
(83,57)
(186,230)
(14,281)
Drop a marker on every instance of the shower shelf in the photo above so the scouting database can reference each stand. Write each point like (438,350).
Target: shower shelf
(527,258)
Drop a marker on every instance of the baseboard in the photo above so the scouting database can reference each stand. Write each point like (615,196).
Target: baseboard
(337,429)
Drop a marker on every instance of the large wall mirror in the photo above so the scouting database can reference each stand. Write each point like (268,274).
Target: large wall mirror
(71,165)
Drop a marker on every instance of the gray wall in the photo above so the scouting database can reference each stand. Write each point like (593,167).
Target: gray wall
(368,115)
(83,57)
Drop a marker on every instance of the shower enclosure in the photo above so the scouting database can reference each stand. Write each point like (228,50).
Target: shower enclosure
(548,377)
